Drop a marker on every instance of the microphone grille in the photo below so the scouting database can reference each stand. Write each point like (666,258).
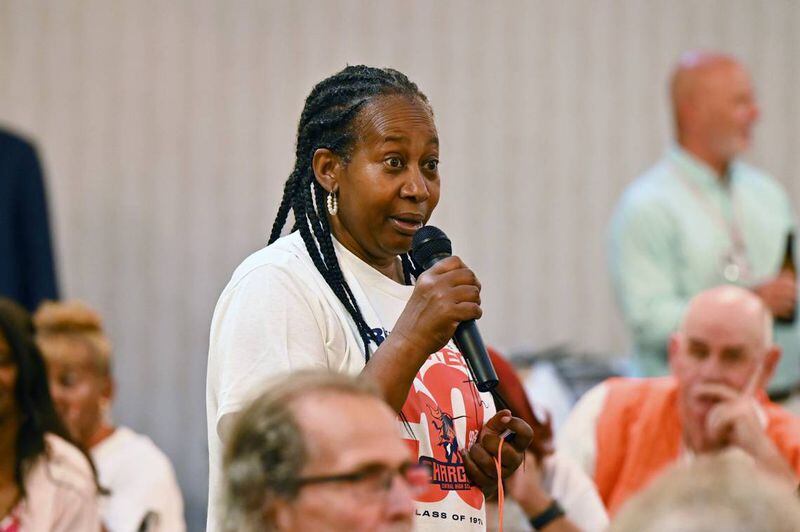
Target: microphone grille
(429,242)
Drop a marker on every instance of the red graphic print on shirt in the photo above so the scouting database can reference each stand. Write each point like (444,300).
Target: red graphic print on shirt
(447,411)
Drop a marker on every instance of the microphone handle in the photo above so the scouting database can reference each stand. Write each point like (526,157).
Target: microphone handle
(468,340)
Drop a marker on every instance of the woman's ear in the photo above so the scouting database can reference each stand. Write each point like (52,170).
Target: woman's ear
(327,167)
(108,388)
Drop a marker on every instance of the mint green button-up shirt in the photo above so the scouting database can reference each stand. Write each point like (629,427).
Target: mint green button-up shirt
(670,239)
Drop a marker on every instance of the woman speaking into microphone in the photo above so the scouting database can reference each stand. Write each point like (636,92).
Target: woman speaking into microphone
(340,292)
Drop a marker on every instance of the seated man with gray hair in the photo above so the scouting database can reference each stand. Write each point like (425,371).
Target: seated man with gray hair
(625,432)
(712,493)
(318,451)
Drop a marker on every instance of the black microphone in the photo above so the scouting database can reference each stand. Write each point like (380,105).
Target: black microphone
(429,246)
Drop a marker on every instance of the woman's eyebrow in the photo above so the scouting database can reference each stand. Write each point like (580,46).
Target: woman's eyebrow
(394,138)
(404,139)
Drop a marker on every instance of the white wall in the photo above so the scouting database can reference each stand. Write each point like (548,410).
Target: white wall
(167,130)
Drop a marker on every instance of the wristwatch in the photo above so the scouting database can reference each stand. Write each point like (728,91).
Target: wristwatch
(551,513)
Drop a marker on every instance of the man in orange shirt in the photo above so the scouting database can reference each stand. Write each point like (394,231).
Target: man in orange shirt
(624,432)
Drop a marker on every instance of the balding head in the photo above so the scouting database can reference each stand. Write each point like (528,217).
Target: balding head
(732,311)
(693,71)
(725,341)
(714,105)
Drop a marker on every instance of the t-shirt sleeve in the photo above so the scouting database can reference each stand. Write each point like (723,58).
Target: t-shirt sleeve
(170,500)
(565,481)
(577,438)
(162,489)
(263,326)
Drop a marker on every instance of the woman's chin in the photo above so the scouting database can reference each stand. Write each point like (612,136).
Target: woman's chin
(398,243)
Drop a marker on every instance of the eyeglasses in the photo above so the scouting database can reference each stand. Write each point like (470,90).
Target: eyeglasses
(376,480)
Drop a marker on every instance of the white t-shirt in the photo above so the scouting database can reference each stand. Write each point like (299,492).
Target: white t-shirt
(61,492)
(563,480)
(278,314)
(577,437)
(142,484)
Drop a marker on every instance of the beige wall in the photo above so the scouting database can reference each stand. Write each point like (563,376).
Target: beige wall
(167,131)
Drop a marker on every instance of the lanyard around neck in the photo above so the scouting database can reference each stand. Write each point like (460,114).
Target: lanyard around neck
(737,265)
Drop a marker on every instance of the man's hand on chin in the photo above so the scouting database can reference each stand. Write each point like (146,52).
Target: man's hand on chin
(736,421)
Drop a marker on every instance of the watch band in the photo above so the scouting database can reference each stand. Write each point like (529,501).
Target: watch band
(553,512)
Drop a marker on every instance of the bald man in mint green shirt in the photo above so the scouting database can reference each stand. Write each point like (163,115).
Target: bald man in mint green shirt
(701,218)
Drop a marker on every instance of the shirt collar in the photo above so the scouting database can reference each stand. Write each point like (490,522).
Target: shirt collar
(365,272)
(698,171)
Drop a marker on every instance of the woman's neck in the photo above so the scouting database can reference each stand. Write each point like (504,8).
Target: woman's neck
(104,431)
(9,430)
(393,270)
(391,267)
(10,491)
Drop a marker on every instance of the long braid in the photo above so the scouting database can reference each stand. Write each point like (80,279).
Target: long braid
(327,122)
(326,245)
(308,238)
(410,270)
(283,210)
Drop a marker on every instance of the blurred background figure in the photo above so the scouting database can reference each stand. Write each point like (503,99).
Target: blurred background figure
(318,451)
(144,494)
(722,492)
(625,432)
(700,218)
(549,489)
(27,271)
(46,483)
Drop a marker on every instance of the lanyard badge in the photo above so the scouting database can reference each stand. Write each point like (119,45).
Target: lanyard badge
(735,267)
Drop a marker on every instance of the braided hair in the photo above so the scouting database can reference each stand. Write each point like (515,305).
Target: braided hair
(327,121)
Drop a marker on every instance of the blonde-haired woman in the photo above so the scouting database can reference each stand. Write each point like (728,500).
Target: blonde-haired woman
(143,491)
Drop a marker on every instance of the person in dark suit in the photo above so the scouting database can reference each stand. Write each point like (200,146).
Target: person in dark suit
(27,270)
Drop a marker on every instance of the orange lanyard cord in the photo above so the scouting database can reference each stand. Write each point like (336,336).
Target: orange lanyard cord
(498,462)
